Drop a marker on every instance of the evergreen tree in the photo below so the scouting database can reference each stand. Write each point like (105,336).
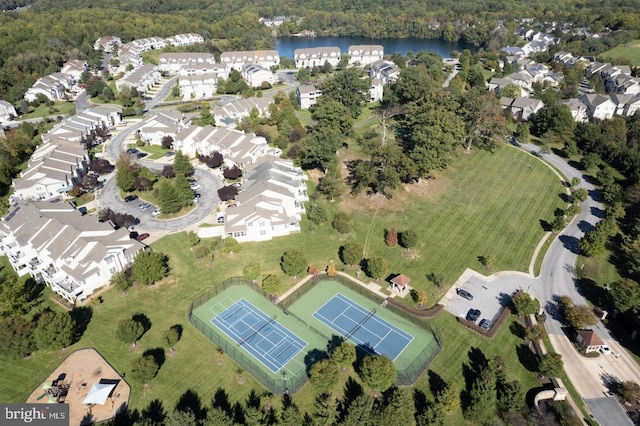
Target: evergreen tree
(54,330)
(144,368)
(325,410)
(359,411)
(377,267)
(433,415)
(290,414)
(14,299)
(408,239)
(182,164)
(331,184)
(183,190)
(149,267)
(399,409)
(271,284)
(16,337)
(251,270)
(293,262)
(170,200)
(482,398)
(129,331)
(323,375)
(378,372)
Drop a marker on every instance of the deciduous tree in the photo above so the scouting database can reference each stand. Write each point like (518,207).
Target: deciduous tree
(377,267)
(271,284)
(351,253)
(252,270)
(523,304)
(144,368)
(293,262)
(149,267)
(323,375)
(550,364)
(54,330)
(344,355)
(129,331)
(378,372)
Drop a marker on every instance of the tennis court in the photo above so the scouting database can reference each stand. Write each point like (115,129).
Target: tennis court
(363,327)
(262,336)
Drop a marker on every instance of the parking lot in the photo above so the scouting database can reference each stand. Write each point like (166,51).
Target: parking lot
(489,293)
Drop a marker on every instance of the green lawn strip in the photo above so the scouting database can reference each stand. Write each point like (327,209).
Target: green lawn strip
(572,390)
(629,51)
(58,108)
(154,151)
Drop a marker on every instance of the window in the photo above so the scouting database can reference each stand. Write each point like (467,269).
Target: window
(263,232)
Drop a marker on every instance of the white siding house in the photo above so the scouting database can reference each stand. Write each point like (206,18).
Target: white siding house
(307,95)
(316,57)
(140,79)
(255,75)
(366,54)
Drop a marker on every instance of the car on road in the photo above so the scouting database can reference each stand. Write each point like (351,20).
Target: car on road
(196,195)
(130,198)
(464,293)
(485,324)
(141,237)
(220,219)
(145,206)
(605,350)
(473,315)
(194,185)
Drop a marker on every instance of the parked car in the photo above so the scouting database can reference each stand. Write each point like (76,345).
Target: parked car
(141,237)
(473,315)
(196,195)
(145,206)
(194,185)
(605,350)
(130,198)
(169,153)
(156,212)
(132,151)
(464,293)
(194,201)
(485,324)
(220,219)
(141,154)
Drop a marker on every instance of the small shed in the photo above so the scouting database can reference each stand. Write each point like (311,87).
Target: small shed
(589,340)
(400,282)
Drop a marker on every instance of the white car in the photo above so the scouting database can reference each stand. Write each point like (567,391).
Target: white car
(194,185)
(604,350)
(156,212)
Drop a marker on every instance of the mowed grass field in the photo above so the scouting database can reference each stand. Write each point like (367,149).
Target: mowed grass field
(629,51)
(485,204)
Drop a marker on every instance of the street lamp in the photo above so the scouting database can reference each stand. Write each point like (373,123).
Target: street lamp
(284,382)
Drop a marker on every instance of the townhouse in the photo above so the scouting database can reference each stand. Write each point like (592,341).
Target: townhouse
(140,79)
(256,75)
(162,123)
(107,43)
(85,125)
(599,107)
(307,95)
(385,71)
(171,63)
(365,54)
(74,68)
(7,111)
(316,57)
(52,86)
(521,108)
(72,253)
(578,110)
(200,86)
(230,114)
(237,59)
(184,39)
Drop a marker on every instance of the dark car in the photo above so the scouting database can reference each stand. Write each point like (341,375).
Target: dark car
(485,324)
(169,153)
(141,154)
(473,315)
(130,198)
(132,151)
(141,237)
(464,293)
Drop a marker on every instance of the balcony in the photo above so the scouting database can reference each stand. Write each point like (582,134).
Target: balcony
(67,285)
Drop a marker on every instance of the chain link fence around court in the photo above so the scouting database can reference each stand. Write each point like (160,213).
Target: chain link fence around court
(277,386)
(406,376)
(418,365)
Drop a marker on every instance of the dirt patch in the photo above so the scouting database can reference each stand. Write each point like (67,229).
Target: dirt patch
(429,189)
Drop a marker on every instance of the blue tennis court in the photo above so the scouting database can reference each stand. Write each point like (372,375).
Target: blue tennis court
(262,336)
(363,327)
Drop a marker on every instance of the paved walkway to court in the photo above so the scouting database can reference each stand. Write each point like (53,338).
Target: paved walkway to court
(372,287)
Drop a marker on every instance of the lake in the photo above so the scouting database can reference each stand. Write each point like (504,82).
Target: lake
(286,45)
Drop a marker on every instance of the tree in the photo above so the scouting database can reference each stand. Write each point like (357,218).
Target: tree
(422,298)
(344,355)
(331,184)
(14,300)
(144,368)
(351,253)
(233,173)
(212,161)
(54,330)
(100,166)
(16,337)
(183,189)
(377,267)
(169,198)
(524,304)
(580,316)
(378,372)
(432,415)
(559,222)
(317,213)
(251,270)
(625,294)
(323,375)
(629,391)
(125,178)
(293,262)
(290,414)
(172,335)
(167,142)
(579,195)
(271,284)
(447,397)
(149,267)
(349,88)
(408,239)
(227,193)
(182,165)
(399,409)
(392,237)
(216,416)
(341,222)
(550,364)
(129,331)
(360,411)
(481,408)
(510,397)
(331,269)
(486,125)
(181,418)
(324,412)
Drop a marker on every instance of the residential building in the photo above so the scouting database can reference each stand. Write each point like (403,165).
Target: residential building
(626,105)
(73,254)
(578,109)
(86,124)
(107,43)
(521,108)
(200,86)
(53,169)
(623,84)
(162,123)
(219,71)
(237,59)
(271,204)
(307,95)
(599,107)
(140,79)
(256,75)
(497,84)
(365,54)
(51,86)
(238,148)
(385,71)
(275,22)
(316,57)
(171,63)
(7,111)
(129,56)
(184,39)
(230,114)
(74,68)
(151,43)
(377,90)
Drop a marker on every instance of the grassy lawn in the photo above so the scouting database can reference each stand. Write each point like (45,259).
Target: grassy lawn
(154,151)
(483,204)
(58,108)
(629,51)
